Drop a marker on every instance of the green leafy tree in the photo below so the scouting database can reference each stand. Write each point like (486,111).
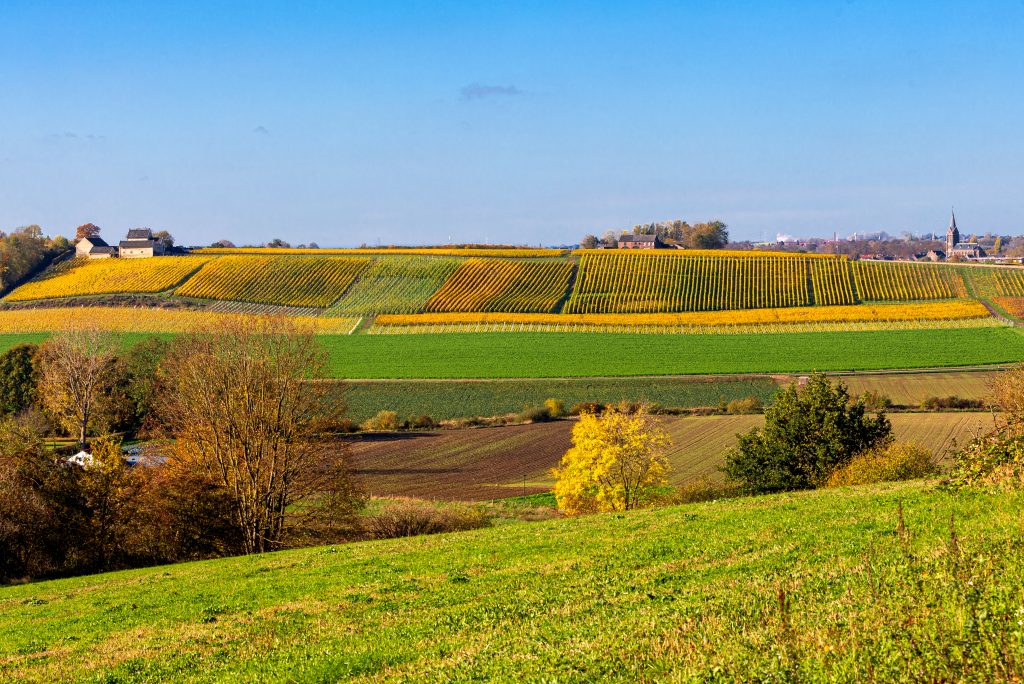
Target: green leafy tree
(17,378)
(130,388)
(711,235)
(809,432)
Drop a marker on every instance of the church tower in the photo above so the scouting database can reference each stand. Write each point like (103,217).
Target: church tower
(952,235)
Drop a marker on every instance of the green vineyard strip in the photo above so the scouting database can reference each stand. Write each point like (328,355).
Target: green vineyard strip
(503,286)
(395,285)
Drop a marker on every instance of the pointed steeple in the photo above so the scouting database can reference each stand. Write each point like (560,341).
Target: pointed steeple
(952,235)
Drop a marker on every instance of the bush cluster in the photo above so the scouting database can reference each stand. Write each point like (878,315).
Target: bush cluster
(808,433)
(413,518)
(890,463)
(951,402)
(744,406)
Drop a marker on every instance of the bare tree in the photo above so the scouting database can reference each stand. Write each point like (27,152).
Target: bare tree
(243,406)
(73,369)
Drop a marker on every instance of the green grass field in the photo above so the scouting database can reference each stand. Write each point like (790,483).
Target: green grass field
(556,355)
(800,587)
(447,399)
(544,355)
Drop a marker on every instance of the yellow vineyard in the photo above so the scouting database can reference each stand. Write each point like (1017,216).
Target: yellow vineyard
(928,311)
(896,281)
(495,285)
(109,276)
(286,281)
(690,253)
(596,283)
(623,282)
(140,319)
(518,253)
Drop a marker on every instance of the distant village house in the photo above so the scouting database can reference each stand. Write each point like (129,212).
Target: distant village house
(140,244)
(641,242)
(94,248)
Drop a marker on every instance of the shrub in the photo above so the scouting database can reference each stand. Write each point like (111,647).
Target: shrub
(629,407)
(890,463)
(555,407)
(383,421)
(950,402)
(993,461)
(702,490)
(423,422)
(592,407)
(412,518)
(996,460)
(808,433)
(535,414)
(875,401)
(744,406)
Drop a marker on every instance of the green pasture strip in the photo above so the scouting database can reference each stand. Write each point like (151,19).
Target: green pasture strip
(800,587)
(581,355)
(552,355)
(448,399)
(8,340)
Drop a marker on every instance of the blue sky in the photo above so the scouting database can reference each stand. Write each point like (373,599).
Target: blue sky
(420,122)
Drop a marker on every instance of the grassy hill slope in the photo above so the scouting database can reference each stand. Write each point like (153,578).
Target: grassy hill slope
(808,586)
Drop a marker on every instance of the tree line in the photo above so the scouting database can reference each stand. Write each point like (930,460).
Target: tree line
(25,251)
(707,235)
(245,458)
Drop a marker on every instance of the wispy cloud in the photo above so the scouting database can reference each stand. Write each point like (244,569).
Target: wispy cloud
(76,136)
(478,91)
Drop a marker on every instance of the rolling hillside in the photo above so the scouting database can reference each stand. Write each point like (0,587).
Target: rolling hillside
(799,587)
(370,282)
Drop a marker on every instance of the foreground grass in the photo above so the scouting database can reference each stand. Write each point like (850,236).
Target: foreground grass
(808,586)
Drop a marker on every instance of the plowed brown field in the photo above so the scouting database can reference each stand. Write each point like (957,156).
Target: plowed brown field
(491,463)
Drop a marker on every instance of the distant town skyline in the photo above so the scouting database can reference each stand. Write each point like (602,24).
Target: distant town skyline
(396,122)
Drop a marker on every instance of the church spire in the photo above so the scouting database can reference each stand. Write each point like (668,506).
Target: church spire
(952,235)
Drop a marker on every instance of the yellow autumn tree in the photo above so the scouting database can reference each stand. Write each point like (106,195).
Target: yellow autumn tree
(615,463)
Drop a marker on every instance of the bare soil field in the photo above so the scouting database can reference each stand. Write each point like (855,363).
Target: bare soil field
(476,464)
(910,389)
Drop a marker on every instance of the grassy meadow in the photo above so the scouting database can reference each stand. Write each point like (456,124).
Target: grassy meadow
(546,355)
(797,587)
(557,355)
(448,399)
